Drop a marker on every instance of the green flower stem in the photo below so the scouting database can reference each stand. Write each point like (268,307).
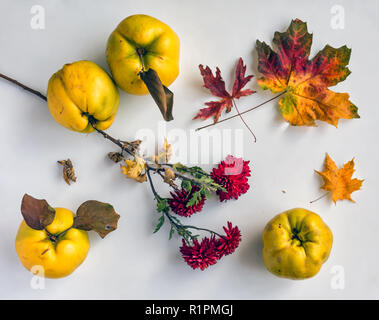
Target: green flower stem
(177,226)
(202,229)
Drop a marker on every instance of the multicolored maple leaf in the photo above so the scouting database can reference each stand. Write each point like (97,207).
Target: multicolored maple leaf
(304,83)
(338,181)
(216,85)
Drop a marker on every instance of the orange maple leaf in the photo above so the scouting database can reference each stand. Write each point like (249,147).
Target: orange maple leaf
(338,181)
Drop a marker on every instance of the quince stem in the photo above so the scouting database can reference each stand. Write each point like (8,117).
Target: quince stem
(141,52)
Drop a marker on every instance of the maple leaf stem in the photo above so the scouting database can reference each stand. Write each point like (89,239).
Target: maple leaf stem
(243,112)
(319,198)
(243,120)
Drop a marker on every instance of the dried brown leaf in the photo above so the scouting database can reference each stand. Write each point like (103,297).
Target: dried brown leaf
(115,156)
(68,171)
(37,213)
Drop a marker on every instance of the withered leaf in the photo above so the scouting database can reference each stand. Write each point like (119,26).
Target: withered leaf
(37,213)
(68,171)
(162,96)
(97,216)
(133,169)
(169,177)
(115,156)
(133,145)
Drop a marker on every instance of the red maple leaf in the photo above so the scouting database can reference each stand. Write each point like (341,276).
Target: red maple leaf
(216,85)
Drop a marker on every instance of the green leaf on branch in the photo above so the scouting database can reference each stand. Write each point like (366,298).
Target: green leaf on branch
(198,176)
(162,205)
(195,199)
(160,223)
(186,185)
(172,230)
(206,193)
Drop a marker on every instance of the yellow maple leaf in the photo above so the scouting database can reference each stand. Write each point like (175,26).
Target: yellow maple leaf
(133,169)
(338,181)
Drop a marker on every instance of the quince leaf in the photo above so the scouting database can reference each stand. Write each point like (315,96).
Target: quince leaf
(338,181)
(304,83)
(37,213)
(97,216)
(162,96)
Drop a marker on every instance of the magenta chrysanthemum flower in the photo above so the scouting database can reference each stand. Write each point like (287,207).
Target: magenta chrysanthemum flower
(228,243)
(178,202)
(200,255)
(232,175)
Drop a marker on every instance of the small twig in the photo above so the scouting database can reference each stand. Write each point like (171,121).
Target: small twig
(156,195)
(109,137)
(35,92)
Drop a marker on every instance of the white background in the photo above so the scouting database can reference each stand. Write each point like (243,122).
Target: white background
(132,262)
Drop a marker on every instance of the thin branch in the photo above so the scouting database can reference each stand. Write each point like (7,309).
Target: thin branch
(35,92)
(156,195)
